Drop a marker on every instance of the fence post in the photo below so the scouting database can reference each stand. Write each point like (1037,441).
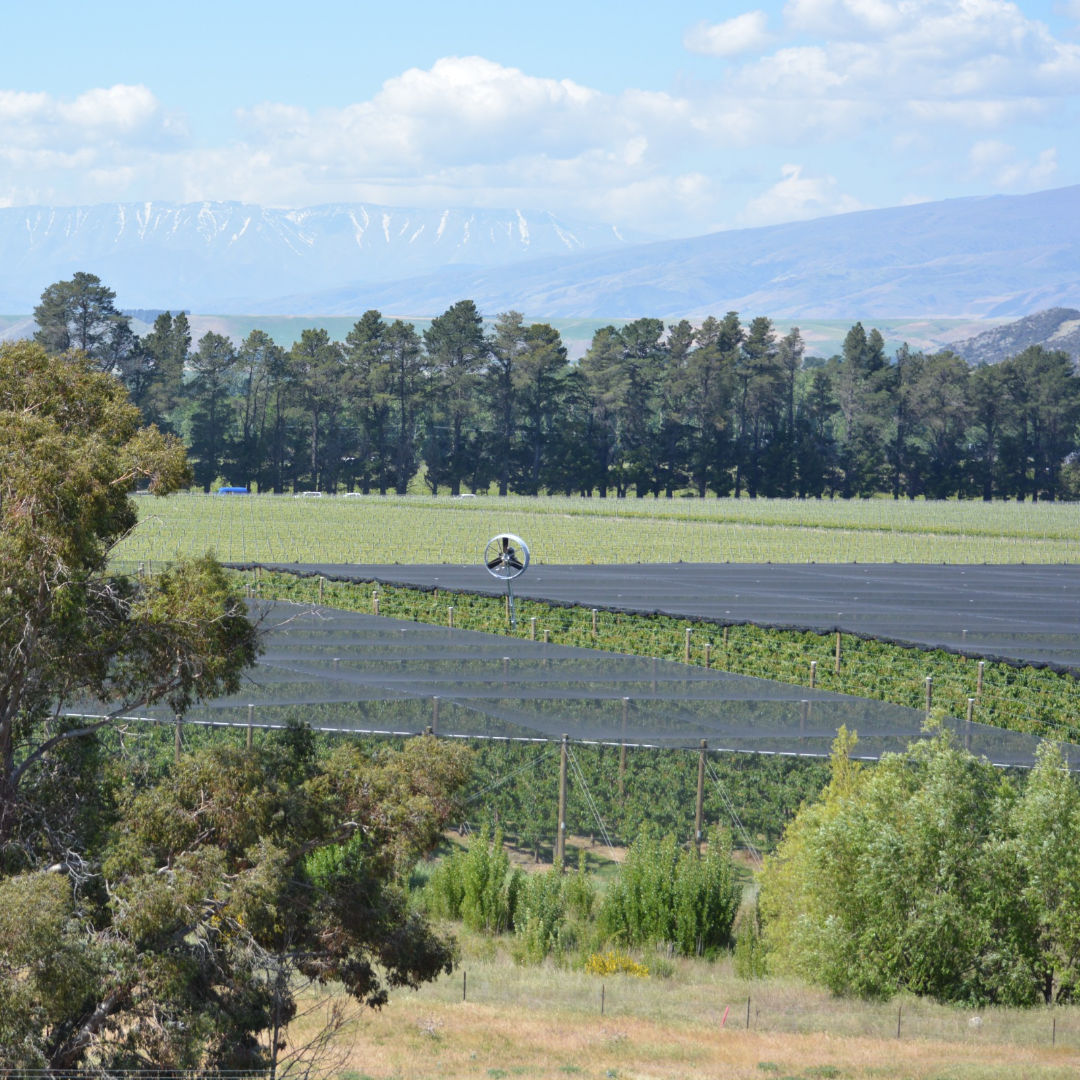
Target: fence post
(747,1014)
(532,628)
(560,840)
(899,1014)
(699,810)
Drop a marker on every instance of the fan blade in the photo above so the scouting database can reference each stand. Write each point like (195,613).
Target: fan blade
(515,564)
(497,561)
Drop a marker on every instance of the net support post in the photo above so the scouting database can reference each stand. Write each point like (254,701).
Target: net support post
(560,839)
(532,628)
(700,806)
(929,694)
(321,582)
(434,715)
(450,617)
(594,613)
(813,674)
(686,650)
(622,749)
(708,654)
(375,604)
(967,730)
(979,682)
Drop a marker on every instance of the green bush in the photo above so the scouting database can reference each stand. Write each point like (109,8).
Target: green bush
(553,912)
(476,886)
(750,958)
(679,897)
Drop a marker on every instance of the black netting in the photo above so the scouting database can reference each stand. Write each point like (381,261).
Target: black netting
(1025,614)
(343,671)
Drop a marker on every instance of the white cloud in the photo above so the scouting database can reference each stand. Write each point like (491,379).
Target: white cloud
(1000,163)
(745,33)
(796,197)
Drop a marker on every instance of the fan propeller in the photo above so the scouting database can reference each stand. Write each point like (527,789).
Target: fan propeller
(507,557)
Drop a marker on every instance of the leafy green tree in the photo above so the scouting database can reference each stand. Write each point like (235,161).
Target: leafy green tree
(73,637)
(238,882)
(929,873)
(540,384)
(81,314)
(319,375)
(256,363)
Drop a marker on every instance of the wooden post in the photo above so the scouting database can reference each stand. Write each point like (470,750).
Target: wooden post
(686,653)
(560,840)
(594,622)
(464,984)
(813,673)
(450,617)
(708,651)
(434,714)
(970,716)
(929,693)
(837,652)
(547,636)
(251,725)
(176,740)
(375,604)
(747,1014)
(700,808)
(507,599)
(899,1014)
(725,639)
(320,589)
(532,628)
(622,748)
(979,685)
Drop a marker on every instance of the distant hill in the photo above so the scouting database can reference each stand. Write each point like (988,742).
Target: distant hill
(228,256)
(1055,328)
(1002,255)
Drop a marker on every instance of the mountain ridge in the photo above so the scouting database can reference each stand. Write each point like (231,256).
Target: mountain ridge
(208,254)
(981,256)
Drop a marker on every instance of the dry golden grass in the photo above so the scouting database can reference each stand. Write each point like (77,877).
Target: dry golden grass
(546,1022)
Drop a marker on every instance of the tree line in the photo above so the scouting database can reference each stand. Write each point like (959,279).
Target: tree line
(724,408)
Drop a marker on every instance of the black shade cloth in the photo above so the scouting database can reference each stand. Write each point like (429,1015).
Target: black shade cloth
(349,672)
(1023,614)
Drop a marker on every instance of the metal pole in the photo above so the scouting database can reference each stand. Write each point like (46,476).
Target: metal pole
(560,840)
(251,725)
(699,810)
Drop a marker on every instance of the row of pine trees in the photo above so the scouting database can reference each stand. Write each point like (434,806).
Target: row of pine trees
(723,408)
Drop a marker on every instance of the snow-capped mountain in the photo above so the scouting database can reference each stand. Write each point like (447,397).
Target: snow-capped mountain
(216,256)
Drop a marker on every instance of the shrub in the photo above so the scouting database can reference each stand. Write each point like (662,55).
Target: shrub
(615,963)
(552,910)
(750,960)
(663,894)
(476,886)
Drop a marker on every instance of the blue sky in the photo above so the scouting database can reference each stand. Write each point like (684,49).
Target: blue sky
(675,118)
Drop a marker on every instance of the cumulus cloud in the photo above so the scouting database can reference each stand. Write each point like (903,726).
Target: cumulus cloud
(796,197)
(745,33)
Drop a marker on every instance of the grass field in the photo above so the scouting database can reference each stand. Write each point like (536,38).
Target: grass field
(418,529)
(542,1022)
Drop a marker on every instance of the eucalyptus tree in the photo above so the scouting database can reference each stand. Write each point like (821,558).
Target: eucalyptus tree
(82,314)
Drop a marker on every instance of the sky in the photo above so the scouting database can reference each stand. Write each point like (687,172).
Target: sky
(674,118)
